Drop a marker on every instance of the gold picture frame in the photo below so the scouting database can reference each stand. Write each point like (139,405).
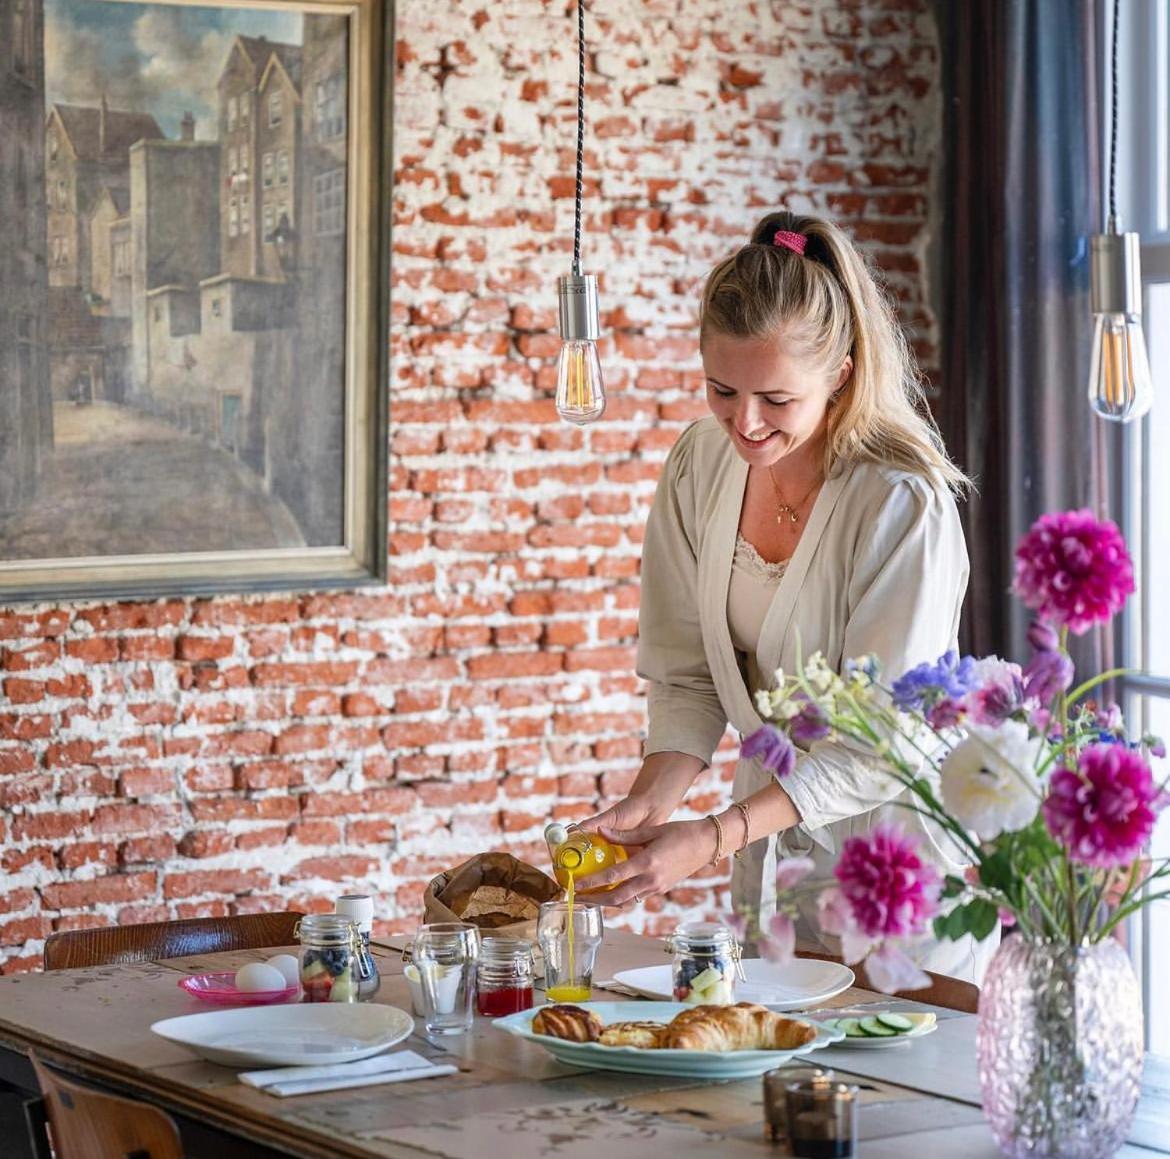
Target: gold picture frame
(193,295)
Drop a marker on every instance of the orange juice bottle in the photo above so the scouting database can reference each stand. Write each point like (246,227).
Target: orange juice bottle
(576,854)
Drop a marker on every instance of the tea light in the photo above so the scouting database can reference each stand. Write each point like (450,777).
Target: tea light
(822,1119)
(775,1088)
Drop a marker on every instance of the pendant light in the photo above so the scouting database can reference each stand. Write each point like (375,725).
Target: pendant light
(1120,388)
(580,391)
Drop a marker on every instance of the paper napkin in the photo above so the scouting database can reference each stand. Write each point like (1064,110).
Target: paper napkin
(403,1066)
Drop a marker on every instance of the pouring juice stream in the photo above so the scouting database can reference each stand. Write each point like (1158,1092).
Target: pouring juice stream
(576,853)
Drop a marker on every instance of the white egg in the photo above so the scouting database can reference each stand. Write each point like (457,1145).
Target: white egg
(288,966)
(257,976)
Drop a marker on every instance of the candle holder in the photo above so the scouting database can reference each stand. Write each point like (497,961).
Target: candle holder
(822,1119)
(776,1083)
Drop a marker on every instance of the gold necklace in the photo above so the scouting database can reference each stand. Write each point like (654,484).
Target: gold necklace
(787,510)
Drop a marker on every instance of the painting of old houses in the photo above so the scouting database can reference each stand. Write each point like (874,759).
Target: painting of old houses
(174,320)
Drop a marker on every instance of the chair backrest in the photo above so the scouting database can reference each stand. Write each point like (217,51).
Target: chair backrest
(89,1124)
(109,945)
(953,993)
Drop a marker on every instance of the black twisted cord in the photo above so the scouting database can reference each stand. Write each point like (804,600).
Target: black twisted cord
(1113,120)
(580,134)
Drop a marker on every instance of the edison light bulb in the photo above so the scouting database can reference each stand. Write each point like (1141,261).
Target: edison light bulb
(580,392)
(1119,376)
(1119,369)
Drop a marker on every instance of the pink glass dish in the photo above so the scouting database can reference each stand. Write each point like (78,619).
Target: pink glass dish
(220,989)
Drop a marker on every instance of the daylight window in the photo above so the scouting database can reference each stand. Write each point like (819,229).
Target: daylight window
(233,161)
(245,216)
(282,167)
(267,170)
(232,110)
(233,218)
(269,223)
(275,109)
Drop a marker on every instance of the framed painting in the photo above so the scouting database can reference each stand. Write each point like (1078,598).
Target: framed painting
(193,278)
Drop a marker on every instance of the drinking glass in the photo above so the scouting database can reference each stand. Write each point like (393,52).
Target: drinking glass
(445,954)
(569,937)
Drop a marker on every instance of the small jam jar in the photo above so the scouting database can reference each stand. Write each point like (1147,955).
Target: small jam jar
(503,981)
(705,959)
(359,908)
(330,956)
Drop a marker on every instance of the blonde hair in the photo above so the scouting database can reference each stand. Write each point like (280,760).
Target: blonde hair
(827,304)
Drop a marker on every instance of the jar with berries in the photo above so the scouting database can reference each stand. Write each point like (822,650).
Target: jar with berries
(706,962)
(330,958)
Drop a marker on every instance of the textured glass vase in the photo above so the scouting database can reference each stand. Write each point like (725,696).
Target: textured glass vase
(1060,1048)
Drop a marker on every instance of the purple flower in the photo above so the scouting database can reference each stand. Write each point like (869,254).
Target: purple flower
(998,691)
(1043,636)
(1073,569)
(777,943)
(890,970)
(1103,811)
(1109,718)
(1047,675)
(791,871)
(1156,745)
(891,890)
(945,713)
(809,724)
(947,676)
(773,748)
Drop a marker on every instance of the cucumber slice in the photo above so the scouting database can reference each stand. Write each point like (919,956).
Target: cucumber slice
(829,1023)
(896,1022)
(852,1028)
(875,1029)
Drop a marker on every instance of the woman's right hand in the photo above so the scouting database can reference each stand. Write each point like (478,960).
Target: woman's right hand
(633,812)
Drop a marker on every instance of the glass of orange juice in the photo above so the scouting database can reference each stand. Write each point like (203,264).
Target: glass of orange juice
(570,934)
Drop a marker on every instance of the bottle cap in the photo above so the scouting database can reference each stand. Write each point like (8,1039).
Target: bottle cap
(359,908)
(556,833)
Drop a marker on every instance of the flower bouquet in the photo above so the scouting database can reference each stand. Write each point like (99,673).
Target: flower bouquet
(1037,786)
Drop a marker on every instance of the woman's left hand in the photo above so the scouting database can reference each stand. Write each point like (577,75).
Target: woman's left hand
(667,854)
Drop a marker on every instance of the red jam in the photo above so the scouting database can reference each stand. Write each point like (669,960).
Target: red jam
(506,1000)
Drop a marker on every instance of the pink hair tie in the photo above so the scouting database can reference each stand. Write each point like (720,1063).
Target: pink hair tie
(790,241)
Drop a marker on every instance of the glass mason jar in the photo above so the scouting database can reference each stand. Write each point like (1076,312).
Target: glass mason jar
(330,954)
(706,955)
(1059,1045)
(504,976)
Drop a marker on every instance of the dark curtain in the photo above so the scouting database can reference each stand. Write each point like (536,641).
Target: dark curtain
(1021,197)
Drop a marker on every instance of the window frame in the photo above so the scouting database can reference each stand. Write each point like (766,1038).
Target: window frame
(1144,202)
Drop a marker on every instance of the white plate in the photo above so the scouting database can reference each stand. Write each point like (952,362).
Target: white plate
(732,1064)
(803,982)
(925,1023)
(310,1034)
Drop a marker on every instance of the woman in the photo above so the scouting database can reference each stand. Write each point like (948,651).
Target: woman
(813,510)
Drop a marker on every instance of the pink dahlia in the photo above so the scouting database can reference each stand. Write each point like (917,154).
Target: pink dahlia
(891,891)
(1103,811)
(1073,569)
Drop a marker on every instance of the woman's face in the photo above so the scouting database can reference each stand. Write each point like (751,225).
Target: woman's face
(768,402)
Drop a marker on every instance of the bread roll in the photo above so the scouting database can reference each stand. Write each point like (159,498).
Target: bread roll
(568,1022)
(647,1035)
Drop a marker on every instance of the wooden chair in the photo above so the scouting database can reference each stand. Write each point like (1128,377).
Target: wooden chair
(953,993)
(89,1124)
(110,945)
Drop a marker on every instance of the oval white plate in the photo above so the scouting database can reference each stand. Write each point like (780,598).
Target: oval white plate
(924,1023)
(310,1034)
(732,1064)
(802,982)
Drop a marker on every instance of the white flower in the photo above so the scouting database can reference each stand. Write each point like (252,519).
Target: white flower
(989,781)
(822,678)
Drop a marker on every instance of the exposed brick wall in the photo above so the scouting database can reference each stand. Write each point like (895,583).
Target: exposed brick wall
(202,756)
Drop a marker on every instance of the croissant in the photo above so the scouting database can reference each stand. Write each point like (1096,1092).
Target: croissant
(568,1022)
(744,1026)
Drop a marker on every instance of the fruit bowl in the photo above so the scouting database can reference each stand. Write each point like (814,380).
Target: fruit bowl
(220,990)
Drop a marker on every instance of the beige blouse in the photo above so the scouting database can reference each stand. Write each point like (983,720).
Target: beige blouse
(880,567)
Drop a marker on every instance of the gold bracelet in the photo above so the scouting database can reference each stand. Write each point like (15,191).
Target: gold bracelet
(747,825)
(718,839)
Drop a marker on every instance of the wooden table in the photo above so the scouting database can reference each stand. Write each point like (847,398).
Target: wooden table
(510,1098)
